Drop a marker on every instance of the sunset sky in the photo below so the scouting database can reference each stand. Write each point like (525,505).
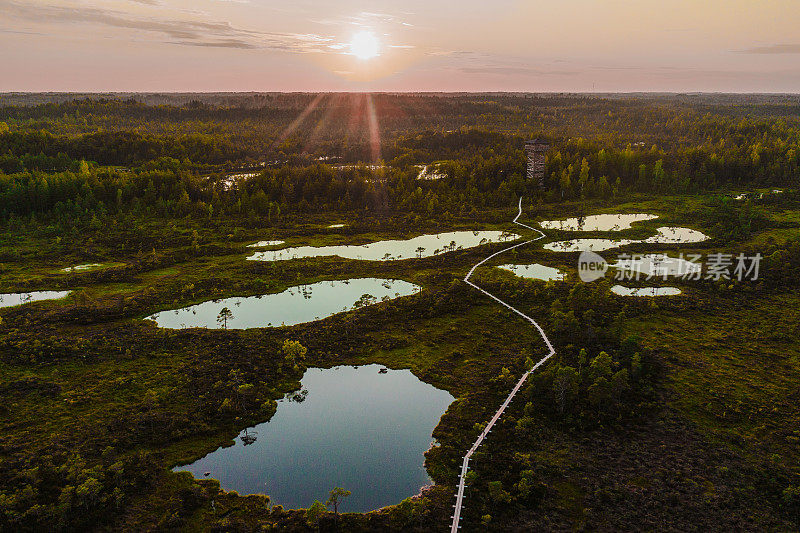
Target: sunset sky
(431,45)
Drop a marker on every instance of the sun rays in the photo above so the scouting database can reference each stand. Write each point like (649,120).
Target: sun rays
(356,115)
(351,127)
(374,130)
(298,121)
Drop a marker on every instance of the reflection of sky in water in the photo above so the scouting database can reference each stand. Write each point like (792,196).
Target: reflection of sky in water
(535,271)
(264,244)
(675,235)
(597,222)
(666,235)
(581,245)
(655,265)
(356,428)
(645,291)
(295,305)
(79,268)
(422,246)
(10,300)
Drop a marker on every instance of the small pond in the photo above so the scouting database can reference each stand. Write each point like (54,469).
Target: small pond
(231,180)
(535,271)
(81,268)
(656,265)
(665,235)
(645,291)
(392,250)
(352,427)
(426,173)
(12,299)
(597,222)
(582,245)
(264,244)
(676,235)
(296,305)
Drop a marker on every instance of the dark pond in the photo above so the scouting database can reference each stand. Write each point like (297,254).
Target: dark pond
(355,428)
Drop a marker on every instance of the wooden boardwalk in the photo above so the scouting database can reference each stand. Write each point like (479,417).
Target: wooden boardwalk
(465,464)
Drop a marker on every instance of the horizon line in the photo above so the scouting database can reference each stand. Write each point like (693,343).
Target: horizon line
(696,92)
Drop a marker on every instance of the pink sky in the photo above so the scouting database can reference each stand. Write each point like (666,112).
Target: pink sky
(432,45)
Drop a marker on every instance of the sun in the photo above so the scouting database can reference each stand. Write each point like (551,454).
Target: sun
(365,45)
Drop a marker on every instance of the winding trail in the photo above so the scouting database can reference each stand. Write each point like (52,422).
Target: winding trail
(465,464)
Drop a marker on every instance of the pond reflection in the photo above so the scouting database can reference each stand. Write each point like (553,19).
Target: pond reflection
(81,268)
(654,266)
(12,299)
(264,244)
(392,250)
(645,291)
(609,222)
(355,427)
(535,271)
(296,305)
(665,235)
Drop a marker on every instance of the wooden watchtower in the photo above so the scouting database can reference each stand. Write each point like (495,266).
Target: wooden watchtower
(536,150)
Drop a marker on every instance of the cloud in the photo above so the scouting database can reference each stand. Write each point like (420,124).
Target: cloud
(184,32)
(370,14)
(467,54)
(223,43)
(476,62)
(365,19)
(774,49)
(21,32)
(516,71)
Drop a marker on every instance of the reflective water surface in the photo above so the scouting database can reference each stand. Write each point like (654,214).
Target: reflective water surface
(231,180)
(581,245)
(264,244)
(296,305)
(655,265)
(19,298)
(645,291)
(354,428)
(80,268)
(617,222)
(392,250)
(676,235)
(535,271)
(665,235)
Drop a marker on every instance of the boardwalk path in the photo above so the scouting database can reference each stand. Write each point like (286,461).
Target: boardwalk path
(499,413)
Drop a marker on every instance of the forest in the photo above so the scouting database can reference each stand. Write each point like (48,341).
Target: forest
(674,413)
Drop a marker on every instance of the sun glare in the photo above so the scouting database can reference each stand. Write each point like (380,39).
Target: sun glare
(364,45)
